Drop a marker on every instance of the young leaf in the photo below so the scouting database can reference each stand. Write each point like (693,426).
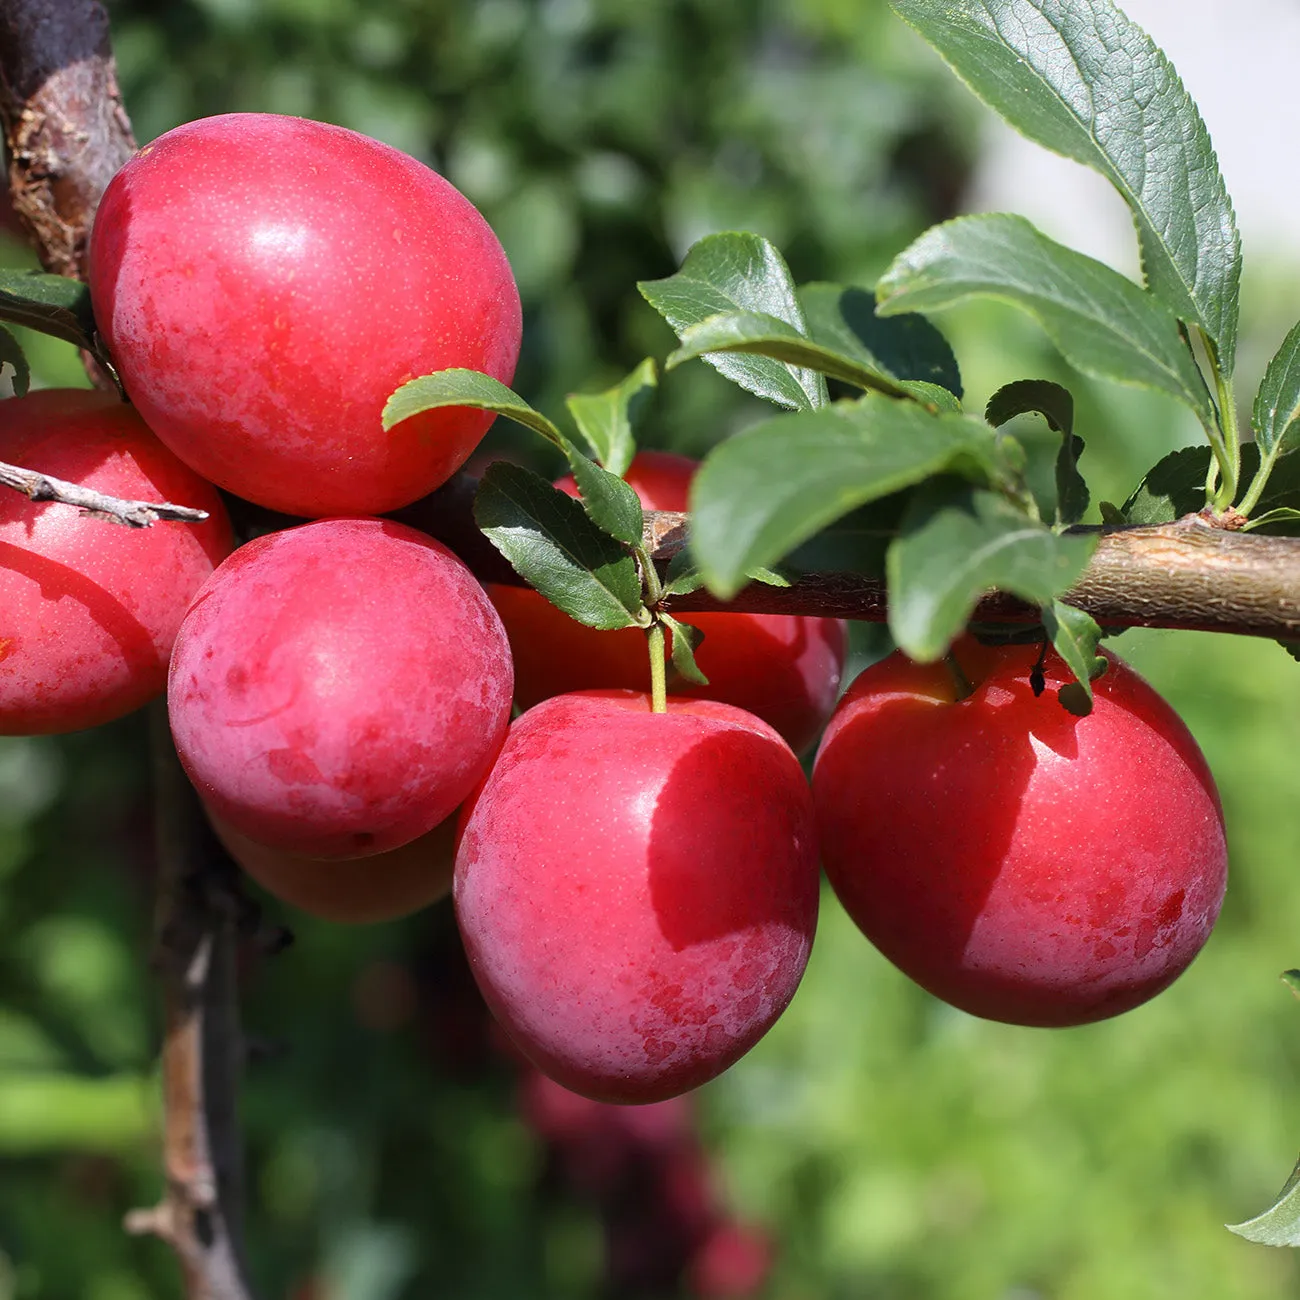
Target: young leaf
(1083,80)
(606,420)
(1103,324)
(904,347)
(1279,1225)
(609,501)
(761,493)
(52,304)
(1075,637)
(739,272)
(958,542)
(1271,518)
(759,335)
(11,354)
(685,640)
(1056,405)
(1276,415)
(549,539)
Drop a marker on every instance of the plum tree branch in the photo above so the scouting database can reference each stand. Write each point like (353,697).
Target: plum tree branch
(1184,575)
(66,134)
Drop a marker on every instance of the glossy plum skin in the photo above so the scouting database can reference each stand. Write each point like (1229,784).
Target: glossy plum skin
(264,283)
(91,608)
(637,893)
(1021,863)
(351,891)
(783,669)
(337,689)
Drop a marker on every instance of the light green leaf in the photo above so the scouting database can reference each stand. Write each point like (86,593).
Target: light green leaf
(1103,324)
(956,544)
(609,501)
(52,304)
(760,335)
(1080,78)
(1276,416)
(739,272)
(1279,1225)
(761,493)
(685,640)
(11,354)
(43,1112)
(906,347)
(1075,636)
(553,544)
(606,420)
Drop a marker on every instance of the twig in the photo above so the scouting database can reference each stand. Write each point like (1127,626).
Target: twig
(135,514)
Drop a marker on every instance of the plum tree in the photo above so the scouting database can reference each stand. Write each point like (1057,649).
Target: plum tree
(1018,861)
(785,670)
(91,611)
(260,332)
(338,688)
(635,913)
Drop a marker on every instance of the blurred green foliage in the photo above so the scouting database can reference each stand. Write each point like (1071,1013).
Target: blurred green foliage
(894,1148)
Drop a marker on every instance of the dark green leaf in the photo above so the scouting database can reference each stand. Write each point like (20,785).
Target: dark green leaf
(682,576)
(1279,1225)
(685,640)
(739,272)
(958,543)
(1079,78)
(11,354)
(1172,488)
(761,493)
(606,420)
(609,501)
(1075,636)
(760,335)
(552,543)
(1103,324)
(1056,405)
(904,347)
(52,304)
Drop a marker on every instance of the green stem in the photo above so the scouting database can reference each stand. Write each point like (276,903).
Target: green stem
(654,636)
(1259,482)
(651,588)
(1229,454)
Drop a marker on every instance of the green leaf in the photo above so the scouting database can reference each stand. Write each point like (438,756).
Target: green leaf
(1280,515)
(606,420)
(1276,416)
(761,493)
(956,544)
(1080,78)
(1279,1225)
(903,347)
(1291,978)
(1172,488)
(685,640)
(682,575)
(609,501)
(553,544)
(739,272)
(1056,405)
(52,304)
(1103,324)
(466,388)
(1293,649)
(759,335)
(1075,636)
(11,354)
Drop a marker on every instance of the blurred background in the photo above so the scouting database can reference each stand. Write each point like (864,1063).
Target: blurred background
(876,1145)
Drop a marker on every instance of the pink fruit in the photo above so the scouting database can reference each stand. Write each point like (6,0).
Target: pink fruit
(264,283)
(90,608)
(1019,862)
(637,892)
(338,688)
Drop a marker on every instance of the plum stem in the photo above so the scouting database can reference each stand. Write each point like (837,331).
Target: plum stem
(961,683)
(658,675)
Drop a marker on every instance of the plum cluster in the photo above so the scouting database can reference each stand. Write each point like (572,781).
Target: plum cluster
(637,890)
